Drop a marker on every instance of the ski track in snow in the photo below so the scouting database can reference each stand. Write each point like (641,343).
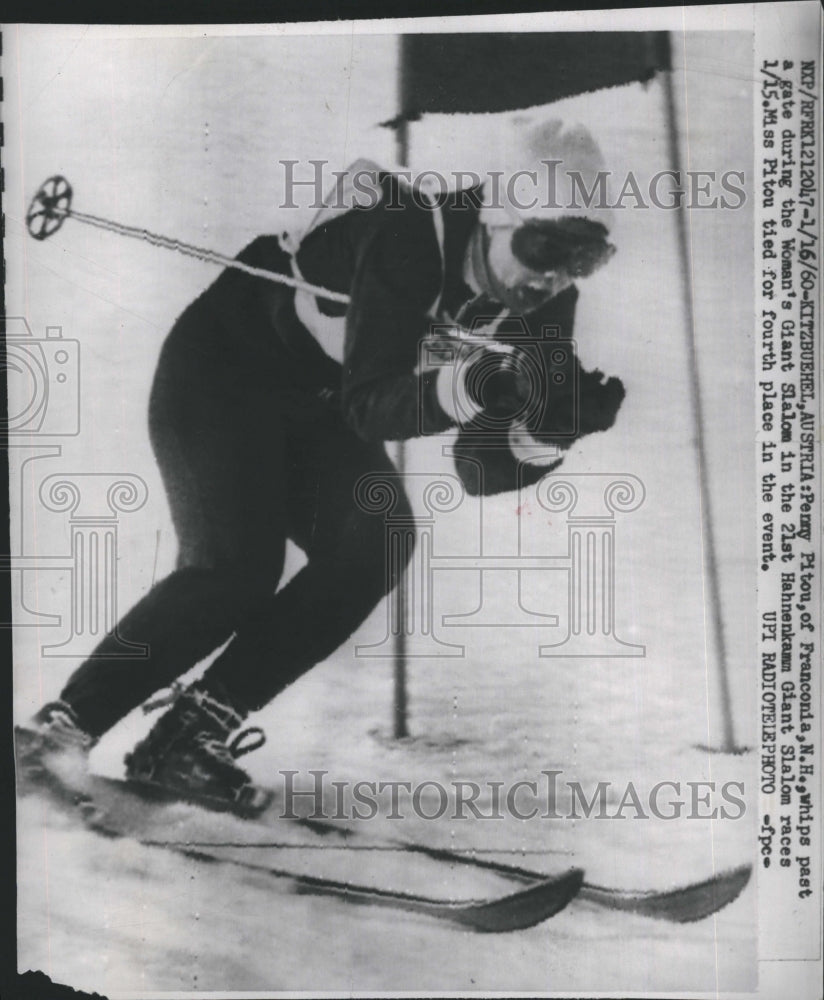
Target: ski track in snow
(183,136)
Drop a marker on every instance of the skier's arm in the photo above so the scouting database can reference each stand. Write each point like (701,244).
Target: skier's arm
(396,281)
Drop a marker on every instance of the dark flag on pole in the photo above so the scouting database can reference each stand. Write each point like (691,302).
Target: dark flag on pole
(507,71)
(483,73)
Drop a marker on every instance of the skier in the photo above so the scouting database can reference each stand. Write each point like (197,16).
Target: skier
(268,406)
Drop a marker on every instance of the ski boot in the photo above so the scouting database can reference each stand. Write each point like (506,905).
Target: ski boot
(187,754)
(52,752)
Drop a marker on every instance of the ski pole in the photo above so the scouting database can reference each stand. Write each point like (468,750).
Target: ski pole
(51,206)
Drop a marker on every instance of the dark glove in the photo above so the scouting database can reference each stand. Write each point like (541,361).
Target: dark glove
(581,404)
(599,401)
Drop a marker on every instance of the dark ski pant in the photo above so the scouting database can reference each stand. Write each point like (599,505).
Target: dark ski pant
(248,461)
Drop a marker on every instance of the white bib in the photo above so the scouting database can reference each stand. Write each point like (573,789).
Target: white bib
(329,331)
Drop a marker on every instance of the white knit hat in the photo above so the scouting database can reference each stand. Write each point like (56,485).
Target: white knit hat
(553,172)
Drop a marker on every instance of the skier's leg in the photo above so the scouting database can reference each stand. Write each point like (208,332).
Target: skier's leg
(346,576)
(220,457)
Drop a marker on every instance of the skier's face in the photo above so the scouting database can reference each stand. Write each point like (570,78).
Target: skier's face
(520,288)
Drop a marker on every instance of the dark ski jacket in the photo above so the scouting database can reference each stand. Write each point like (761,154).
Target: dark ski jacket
(387,258)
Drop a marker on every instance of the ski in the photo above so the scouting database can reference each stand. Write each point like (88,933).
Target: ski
(524,907)
(540,897)
(514,911)
(682,904)
(511,912)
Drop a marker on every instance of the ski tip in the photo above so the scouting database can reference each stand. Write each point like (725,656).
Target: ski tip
(696,902)
(524,908)
(713,895)
(683,905)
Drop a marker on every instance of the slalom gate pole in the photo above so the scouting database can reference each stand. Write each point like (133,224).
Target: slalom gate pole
(708,545)
(400,722)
